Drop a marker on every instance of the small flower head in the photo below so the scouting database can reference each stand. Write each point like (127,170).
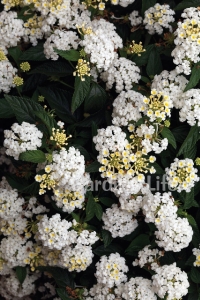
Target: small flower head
(25,66)
(18,81)
(82,69)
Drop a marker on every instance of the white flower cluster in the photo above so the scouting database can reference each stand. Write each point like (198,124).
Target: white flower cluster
(190,108)
(22,138)
(126,108)
(181,175)
(33,29)
(171,282)
(101,44)
(10,204)
(187,41)
(54,233)
(171,84)
(62,40)
(66,176)
(148,258)
(118,221)
(135,18)
(11,30)
(158,17)
(157,106)
(111,270)
(7,74)
(173,233)
(123,73)
(99,292)
(137,288)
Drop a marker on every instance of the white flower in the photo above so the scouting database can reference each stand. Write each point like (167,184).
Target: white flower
(135,18)
(158,17)
(111,270)
(119,222)
(170,281)
(190,107)
(21,138)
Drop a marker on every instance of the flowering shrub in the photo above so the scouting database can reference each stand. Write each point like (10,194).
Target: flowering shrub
(99,141)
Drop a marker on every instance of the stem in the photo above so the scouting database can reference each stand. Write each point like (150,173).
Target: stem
(66,84)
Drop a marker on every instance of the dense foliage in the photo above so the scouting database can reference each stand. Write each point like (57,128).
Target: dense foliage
(99,119)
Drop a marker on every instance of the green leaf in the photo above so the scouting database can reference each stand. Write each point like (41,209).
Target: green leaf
(53,68)
(21,274)
(166,133)
(159,169)
(32,189)
(106,201)
(196,238)
(195,275)
(190,261)
(62,293)
(191,153)
(33,82)
(107,237)
(47,120)
(23,108)
(34,156)
(98,211)
(93,167)
(195,76)
(191,221)
(138,244)
(187,3)
(90,208)
(154,65)
(190,140)
(180,133)
(5,109)
(71,55)
(95,99)
(112,248)
(62,277)
(81,90)
(59,100)
(143,59)
(83,151)
(35,53)
(188,198)
(15,52)
(147,4)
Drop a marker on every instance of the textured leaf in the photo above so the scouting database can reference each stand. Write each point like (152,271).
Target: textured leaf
(62,293)
(138,243)
(195,76)
(35,53)
(195,275)
(166,133)
(107,237)
(93,167)
(47,120)
(81,90)
(187,3)
(98,211)
(5,109)
(33,81)
(180,133)
(190,140)
(71,55)
(34,156)
(21,273)
(106,201)
(90,208)
(53,68)
(154,65)
(95,99)
(147,4)
(15,52)
(112,248)
(62,277)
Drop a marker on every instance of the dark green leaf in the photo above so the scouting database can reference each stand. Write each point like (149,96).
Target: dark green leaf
(195,275)
(158,168)
(16,182)
(107,237)
(188,198)
(15,52)
(5,109)
(47,120)
(195,76)
(33,81)
(192,221)
(143,59)
(197,188)
(62,277)
(83,151)
(106,201)
(95,99)
(180,133)
(138,243)
(21,274)
(53,68)
(93,167)
(71,55)
(191,260)
(147,4)
(80,92)
(35,53)
(191,153)
(187,3)
(154,65)
(98,211)
(23,108)
(196,237)
(59,100)
(190,140)
(90,208)
(34,156)
(31,189)
(166,133)
(112,248)
(62,293)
